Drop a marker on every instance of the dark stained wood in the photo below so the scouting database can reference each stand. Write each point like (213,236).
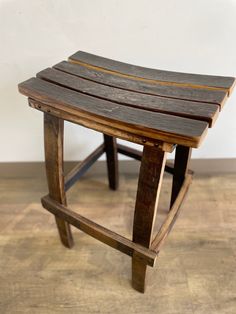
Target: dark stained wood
(149,184)
(128,83)
(53,143)
(158,109)
(112,161)
(196,80)
(83,166)
(137,154)
(86,121)
(172,216)
(195,110)
(182,159)
(169,128)
(104,235)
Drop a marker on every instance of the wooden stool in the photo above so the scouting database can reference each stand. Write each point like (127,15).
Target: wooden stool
(160,110)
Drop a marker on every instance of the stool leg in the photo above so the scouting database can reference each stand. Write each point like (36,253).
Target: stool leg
(112,161)
(53,144)
(150,178)
(182,159)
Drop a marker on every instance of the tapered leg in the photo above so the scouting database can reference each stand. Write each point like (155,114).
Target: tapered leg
(112,161)
(182,158)
(53,144)
(150,178)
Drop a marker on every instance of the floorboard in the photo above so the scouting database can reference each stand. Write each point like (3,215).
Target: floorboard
(195,271)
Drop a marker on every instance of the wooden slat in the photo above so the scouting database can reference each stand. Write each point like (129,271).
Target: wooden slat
(100,233)
(155,125)
(146,87)
(86,121)
(176,78)
(199,111)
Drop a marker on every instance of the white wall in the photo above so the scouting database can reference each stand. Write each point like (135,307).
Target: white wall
(182,35)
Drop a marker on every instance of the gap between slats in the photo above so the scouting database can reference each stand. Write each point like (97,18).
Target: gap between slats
(186,93)
(209,117)
(151,81)
(159,126)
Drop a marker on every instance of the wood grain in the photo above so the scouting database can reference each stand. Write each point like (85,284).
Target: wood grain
(151,88)
(175,129)
(149,185)
(195,110)
(137,154)
(172,216)
(176,78)
(53,143)
(85,120)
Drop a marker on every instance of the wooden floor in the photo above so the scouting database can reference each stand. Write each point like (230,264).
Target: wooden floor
(195,273)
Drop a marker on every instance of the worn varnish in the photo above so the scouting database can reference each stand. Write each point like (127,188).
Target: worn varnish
(53,144)
(114,93)
(190,109)
(160,110)
(85,120)
(175,78)
(143,87)
(173,129)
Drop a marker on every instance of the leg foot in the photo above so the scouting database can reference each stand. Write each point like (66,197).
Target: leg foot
(64,233)
(138,275)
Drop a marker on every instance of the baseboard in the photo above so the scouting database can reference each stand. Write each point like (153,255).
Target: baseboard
(34,169)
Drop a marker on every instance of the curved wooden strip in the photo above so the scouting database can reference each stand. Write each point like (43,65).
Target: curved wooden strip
(176,78)
(155,125)
(199,111)
(172,215)
(90,122)
(128,83)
